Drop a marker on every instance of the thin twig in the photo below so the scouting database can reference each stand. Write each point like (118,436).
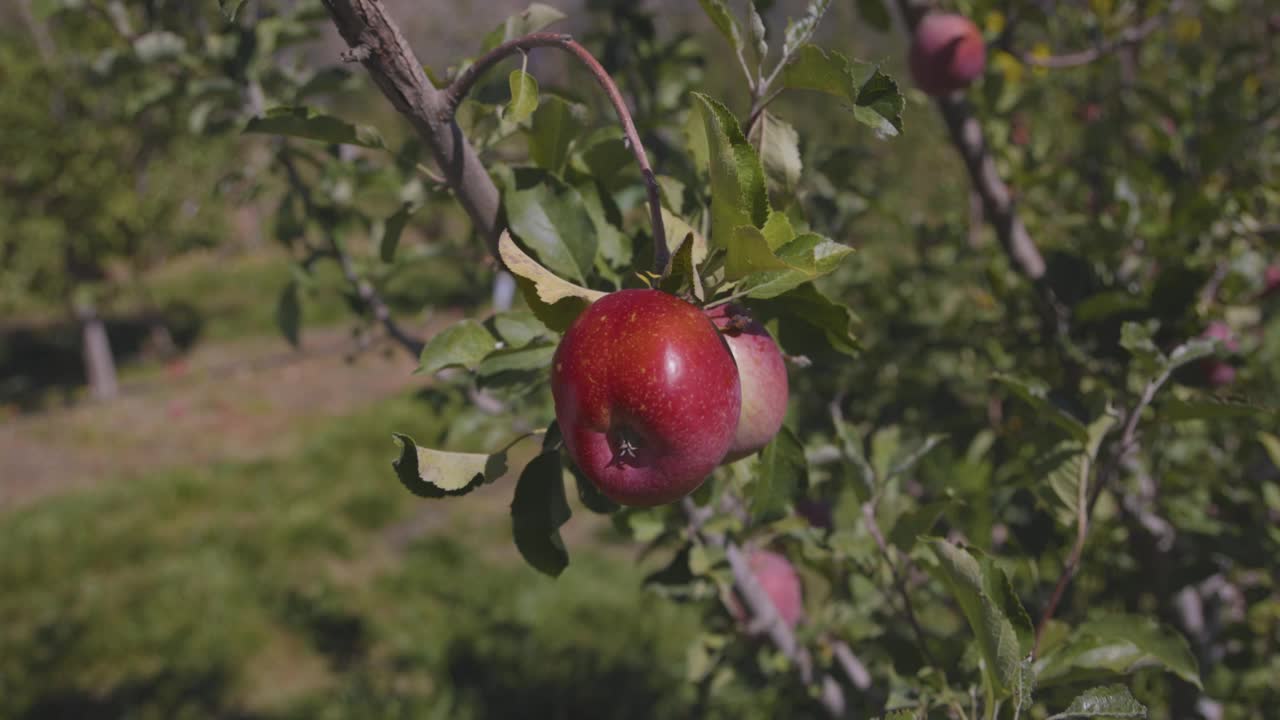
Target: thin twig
(764,614)
(1130,36)
(873,526)
(366,292)
(462,84)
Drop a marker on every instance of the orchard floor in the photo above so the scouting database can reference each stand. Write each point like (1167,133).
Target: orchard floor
(227,540)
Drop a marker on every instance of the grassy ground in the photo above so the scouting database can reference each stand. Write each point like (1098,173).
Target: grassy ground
(311,585)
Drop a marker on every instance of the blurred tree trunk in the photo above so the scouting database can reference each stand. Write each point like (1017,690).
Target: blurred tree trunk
(99,363)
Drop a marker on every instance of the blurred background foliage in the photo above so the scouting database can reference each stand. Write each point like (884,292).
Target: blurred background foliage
(297,580)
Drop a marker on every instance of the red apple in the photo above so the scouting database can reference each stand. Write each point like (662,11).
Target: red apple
(780,582)
(647,396)
(762,374)
(1218,372)
(1271,280)
(947,53)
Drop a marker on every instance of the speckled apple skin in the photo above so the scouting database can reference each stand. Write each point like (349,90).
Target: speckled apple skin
(947,53)
(762,372)
(647,396)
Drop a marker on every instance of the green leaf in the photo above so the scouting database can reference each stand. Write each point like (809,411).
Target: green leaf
(778,473)
(289,313)
(392,229)
(1179,409)
(538,510)
(1036,394)
(554,128)
(873,97)
(806,258)
(997,640)
(805,307)
(738,193)
(230,8)
(1270,443)
(919,521)
(1139,340)
(1024,683)
(875,13)
(530,357)
(778,231)
(554,301)
(684,271)
(524,96)
(159,45)
(1112,701)
(724,22)
(779,147)
(436,473)
(1118,644)
(1191,351)
(463,344)
(517,328)
(303,122)
(747,253)
(799,31)
(912,458)
(532,19)
(549,217)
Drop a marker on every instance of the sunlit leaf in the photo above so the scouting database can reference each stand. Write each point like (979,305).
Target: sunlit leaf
(556,302)
(1112,701)
(524,96)
(437,473)
(463,344)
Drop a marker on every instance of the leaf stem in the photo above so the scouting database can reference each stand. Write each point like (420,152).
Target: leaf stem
(465,80)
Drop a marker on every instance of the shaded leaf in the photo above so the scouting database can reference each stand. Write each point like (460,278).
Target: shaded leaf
(554,301)
(875,13)
(1036,394)
(553,130)
(1118,644)
(779,147)
(873,97)
(303,122)
(538,510)
(463,344)
(530,357)
(437,473)
(778,473)
(1112,701)
(724,22)
(805,307)
(230,8)
(392,229)
(747,253)
(517,328)
(591,498)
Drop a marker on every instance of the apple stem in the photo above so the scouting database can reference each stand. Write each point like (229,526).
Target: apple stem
(466,79)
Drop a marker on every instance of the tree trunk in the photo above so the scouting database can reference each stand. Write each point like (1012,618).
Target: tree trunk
(99,364)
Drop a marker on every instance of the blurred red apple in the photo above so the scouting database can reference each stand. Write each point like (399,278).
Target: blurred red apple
(1219,372)
(1271,280)
(647,396)
(762,373)
(780,582)
(947,53)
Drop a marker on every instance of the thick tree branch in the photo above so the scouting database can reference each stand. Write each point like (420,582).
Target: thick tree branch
(763,613)
(997,200)
(376,41)
(461,85)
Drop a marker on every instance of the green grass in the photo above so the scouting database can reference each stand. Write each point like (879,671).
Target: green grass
(277,589)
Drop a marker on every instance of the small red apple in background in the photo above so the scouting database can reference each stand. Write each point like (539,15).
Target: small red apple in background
(1271,280)
(780,582)
(1218,372)
(647,396)
(762,373)
(1090,112)
(947,53)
